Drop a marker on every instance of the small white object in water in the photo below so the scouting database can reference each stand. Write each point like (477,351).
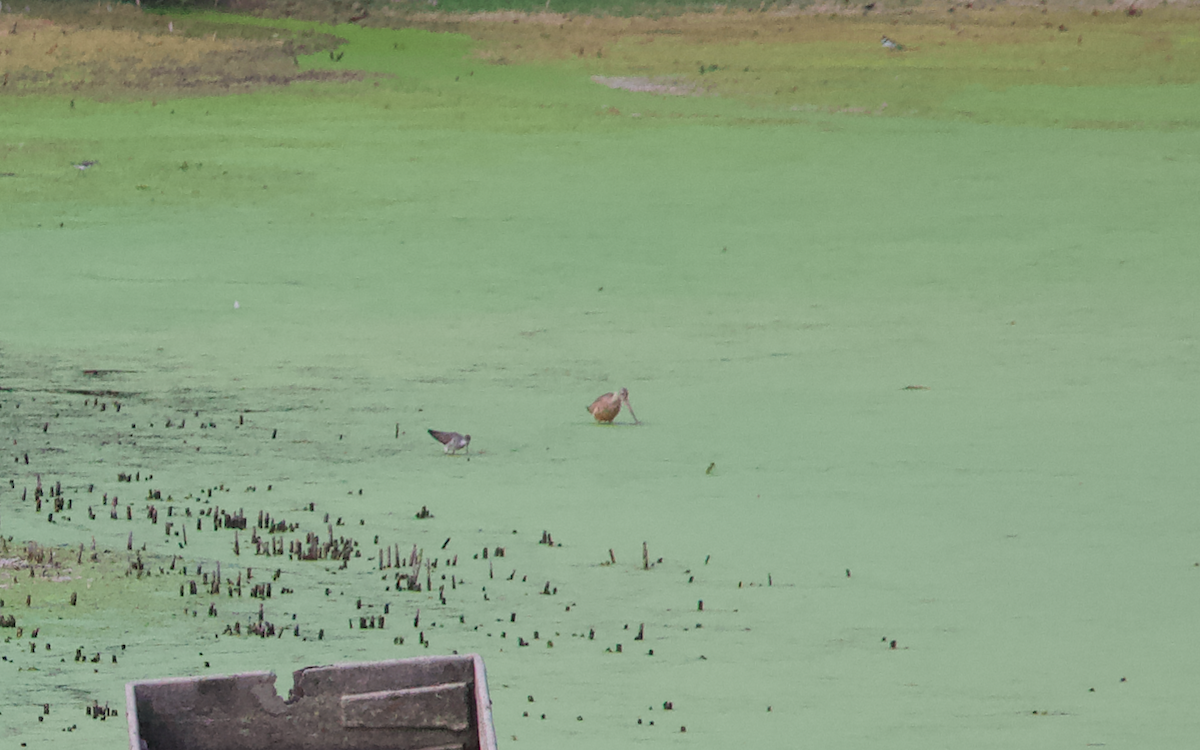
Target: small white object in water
(236,305)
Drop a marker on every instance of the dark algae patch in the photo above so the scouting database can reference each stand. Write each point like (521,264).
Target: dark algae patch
(911,465)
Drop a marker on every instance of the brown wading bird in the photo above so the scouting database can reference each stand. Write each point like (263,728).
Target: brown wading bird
(606,408)
(452,441)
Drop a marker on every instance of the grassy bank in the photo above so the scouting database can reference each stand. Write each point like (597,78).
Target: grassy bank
(1009,65)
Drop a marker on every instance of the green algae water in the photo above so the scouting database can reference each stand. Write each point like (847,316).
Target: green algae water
(917,399)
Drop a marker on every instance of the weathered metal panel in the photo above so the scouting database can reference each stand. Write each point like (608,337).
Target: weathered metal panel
(427,703)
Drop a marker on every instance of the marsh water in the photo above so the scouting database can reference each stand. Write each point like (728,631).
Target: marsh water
(917,398)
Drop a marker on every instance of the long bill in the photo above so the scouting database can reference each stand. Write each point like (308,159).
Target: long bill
(629,406)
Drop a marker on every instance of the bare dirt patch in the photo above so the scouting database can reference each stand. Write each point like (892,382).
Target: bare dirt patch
(658,85)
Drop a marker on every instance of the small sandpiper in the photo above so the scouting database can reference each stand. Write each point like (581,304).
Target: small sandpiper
(452,441)
(889,44)
(606,408)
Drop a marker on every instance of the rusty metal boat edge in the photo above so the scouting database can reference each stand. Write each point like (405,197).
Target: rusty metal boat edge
(378,716)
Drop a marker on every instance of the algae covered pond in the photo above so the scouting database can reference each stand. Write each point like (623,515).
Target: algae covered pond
(916,392)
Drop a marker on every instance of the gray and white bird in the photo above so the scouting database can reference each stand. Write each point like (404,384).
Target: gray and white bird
(889,44)
(452,441)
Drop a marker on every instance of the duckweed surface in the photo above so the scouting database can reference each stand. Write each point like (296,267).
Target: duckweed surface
(917,394)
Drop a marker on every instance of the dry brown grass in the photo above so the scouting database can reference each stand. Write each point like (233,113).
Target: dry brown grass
(794,57)
(96,56)
(519,37)
(836,62)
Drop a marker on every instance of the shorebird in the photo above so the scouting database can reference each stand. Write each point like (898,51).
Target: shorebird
(83,165)
(889,44)
(606,408)
(452,441)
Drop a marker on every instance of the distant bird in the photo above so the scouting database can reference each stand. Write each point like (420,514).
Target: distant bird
(83,165)
(606,408)
(889,44)
(452,441)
